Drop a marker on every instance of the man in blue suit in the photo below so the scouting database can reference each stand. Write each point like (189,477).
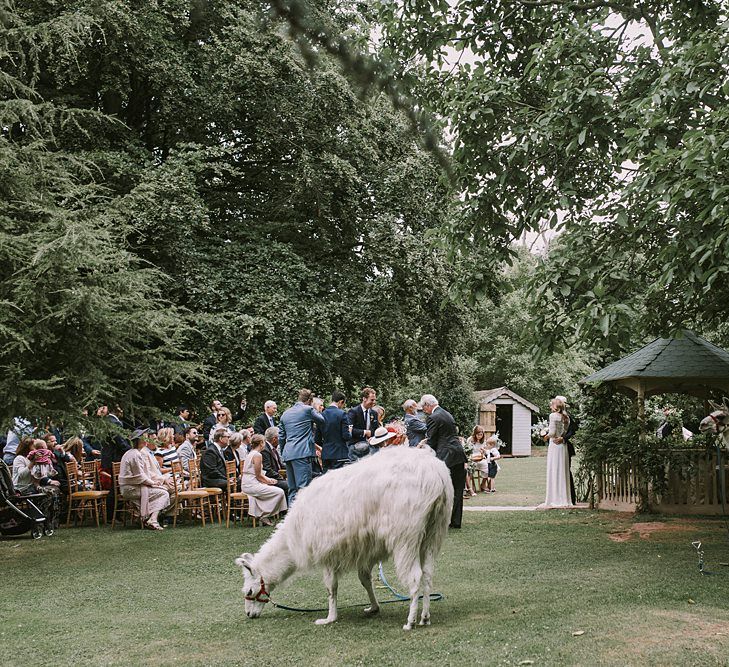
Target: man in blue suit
(335,433)
(415,427)
(296,441)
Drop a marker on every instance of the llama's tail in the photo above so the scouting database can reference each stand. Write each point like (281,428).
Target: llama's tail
(437,519)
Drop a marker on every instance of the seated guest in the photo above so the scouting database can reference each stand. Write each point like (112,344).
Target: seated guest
(271,459)
(335,433)
(225,421)
(234,451)
(166,451)
(267,418)
(25,483)
(212,463)
(142,484)
(264,497)
(188,450)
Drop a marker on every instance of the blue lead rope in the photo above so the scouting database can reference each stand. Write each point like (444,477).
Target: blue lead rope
(397,597)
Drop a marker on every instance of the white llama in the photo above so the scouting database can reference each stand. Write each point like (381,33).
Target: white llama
(397,502)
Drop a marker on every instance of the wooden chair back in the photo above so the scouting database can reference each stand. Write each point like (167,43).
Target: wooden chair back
(194,479)
(90,475)
(73,478)
(231,472)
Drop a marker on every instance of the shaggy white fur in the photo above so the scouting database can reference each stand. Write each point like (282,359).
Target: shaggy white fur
(396,503)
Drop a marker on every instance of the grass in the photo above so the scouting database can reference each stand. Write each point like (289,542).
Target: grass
(517,586)
(520,482)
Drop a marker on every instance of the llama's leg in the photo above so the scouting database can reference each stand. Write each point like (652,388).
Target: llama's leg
(410,573)
(330,581)
(427,580)
(365,578)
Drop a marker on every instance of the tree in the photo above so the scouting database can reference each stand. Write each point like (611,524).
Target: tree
(607,120)
(83,319)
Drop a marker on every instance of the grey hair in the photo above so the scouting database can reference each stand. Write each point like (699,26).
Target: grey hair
(269,404)
(428,399)
(410,403)
(271,431)
(236,439)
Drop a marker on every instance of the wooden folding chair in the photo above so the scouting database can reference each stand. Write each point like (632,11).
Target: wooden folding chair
(122,506)
(191,499)
(88,499)
(237,500)
(215,494)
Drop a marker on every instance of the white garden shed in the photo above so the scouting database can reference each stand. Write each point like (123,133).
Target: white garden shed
(503,411)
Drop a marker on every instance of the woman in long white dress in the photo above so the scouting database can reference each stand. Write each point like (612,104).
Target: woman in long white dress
(264,497)
(558,463)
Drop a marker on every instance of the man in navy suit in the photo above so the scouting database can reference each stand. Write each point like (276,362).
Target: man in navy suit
(212,463)
(267,419)
(363,420)
(335,433)
(443,438)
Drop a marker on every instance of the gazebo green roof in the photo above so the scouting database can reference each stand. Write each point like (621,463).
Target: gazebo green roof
(684,363)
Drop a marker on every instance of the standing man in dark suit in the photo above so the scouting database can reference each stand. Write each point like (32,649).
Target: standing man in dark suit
(211,419)
(363,420)
(443,438)
(335,433)
(212,463)
(267,419)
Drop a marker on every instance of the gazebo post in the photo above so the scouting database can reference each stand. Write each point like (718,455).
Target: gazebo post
(644,490)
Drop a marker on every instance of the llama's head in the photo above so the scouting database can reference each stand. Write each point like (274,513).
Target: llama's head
(255,590)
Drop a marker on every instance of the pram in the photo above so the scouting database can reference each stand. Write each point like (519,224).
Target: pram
(19,513)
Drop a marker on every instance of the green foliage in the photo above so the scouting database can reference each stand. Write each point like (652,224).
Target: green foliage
(607,121)
(206,214)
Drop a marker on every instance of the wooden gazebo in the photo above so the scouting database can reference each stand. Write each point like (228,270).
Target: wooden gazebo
(686,364)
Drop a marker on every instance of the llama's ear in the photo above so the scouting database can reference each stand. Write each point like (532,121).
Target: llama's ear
(245,561)
(714,406)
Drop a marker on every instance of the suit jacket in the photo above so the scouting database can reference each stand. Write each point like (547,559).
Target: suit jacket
(443,437)
(185,452)
(231,454)
(212,467)
(356,417)
(271,462)
(209,422)
(115,445)
(295,432)
(335,434)
(262,423)
(416,429)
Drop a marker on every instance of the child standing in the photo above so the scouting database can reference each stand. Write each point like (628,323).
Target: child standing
(490,454)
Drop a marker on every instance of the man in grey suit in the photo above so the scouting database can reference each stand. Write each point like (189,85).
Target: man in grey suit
(416,429)
(296,441)
(443,438)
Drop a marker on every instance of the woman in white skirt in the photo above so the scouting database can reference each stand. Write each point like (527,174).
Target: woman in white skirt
(264,497)
(558,463)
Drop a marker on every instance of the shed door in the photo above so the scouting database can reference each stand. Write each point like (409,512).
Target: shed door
(505,426)
(487,418)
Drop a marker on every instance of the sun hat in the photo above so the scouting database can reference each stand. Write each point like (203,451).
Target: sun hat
(138,433)
(381,435)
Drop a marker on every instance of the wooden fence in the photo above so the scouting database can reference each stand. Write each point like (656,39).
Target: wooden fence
(692,485)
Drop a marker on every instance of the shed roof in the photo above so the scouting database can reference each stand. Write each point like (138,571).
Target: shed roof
(490,395)
(675,362)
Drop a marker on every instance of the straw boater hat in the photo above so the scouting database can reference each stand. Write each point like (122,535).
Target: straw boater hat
(382,435)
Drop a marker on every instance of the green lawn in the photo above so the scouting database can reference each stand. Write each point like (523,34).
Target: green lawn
(520,482)
(517,586)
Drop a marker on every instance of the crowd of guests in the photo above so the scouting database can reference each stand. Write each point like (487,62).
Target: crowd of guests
(275,457)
